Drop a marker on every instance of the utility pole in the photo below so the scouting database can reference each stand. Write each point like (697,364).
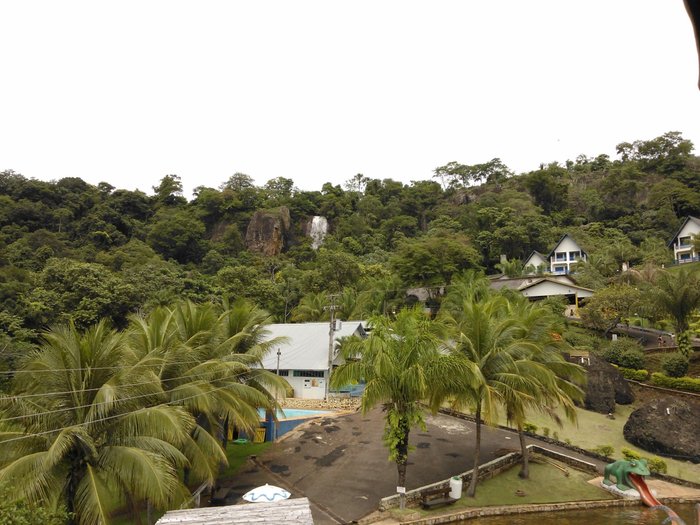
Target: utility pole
(331,339)
(274,423)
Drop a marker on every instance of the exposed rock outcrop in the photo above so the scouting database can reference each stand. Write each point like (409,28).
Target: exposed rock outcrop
(606,387)
(667,425)
(267,231)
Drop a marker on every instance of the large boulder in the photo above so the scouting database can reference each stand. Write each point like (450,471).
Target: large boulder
(606,387)
(667,425)
(267,231)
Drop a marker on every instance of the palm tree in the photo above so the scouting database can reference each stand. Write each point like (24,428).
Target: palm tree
(401,363)
(677,294)
(85,430)
(548,382)
(311,308)
(485,337)
(242,335)
(511,268)
(352,305)
(197,371)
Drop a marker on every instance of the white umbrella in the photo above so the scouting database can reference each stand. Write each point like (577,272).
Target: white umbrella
(266,494)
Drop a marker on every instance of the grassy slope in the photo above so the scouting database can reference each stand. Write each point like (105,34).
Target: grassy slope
(593,429)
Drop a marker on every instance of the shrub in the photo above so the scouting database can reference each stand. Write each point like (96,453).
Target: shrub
(567,441)
(615,349)
(604,450)
(545,431)
(681,383)
(531,428)
(675,365)
(633,359)
(635,375)
(630,454)
(20,513)
(657,465)
(555,436)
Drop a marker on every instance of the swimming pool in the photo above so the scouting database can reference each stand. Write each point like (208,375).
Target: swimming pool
(295,413)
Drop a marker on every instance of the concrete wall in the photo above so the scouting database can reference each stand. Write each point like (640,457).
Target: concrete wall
(307,387)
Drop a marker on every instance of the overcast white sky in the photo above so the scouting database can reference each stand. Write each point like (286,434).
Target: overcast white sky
(317,91)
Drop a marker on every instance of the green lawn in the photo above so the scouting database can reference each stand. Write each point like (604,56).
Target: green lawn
(593,430)
(237,455)
(547,484)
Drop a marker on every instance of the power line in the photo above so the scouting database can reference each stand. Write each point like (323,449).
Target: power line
(26,396)
(107,418)
(14,398)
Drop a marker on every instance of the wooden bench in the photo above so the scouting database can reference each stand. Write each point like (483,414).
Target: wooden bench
(436,497)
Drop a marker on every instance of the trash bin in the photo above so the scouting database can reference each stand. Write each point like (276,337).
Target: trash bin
(259,435)
(456,487)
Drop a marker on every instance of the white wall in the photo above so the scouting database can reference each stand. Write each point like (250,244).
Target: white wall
(690,228)
(307,387)
(568,245)
(548,288)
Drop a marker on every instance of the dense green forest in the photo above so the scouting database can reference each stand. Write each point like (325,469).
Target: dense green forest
(73,251)
(132,326)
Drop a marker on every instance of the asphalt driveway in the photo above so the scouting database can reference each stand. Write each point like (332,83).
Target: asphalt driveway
(341,464)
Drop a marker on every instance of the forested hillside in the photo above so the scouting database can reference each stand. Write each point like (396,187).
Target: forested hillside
(73,251)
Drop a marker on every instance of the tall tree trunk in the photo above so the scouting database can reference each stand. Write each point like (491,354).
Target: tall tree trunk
(75,474)
(224,438)
(471,492)
(402,459)
(525,470)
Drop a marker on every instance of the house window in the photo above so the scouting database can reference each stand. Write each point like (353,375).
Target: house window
(574,255)
(284,373)
(684,242)
(309,373)
(560,256)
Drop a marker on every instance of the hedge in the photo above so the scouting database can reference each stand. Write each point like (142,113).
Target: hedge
(681,383)
(636,375)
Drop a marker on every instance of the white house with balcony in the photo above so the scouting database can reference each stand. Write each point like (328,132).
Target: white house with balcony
(564,256)
(682,241)
(303,358)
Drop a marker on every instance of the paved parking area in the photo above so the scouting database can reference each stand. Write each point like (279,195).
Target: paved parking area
(341,464)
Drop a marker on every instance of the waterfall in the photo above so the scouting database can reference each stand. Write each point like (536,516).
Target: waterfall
(317,232)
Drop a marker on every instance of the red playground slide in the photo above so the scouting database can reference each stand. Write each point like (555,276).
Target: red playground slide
(649,499)
(646,495)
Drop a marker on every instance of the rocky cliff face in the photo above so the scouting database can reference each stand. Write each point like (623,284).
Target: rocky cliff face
(605,387)
(667,425)
(267,231)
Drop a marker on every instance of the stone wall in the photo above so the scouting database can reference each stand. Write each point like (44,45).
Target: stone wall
(333,403)
(522,509)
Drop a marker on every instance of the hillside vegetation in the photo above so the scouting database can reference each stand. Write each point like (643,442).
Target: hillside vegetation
(71,251)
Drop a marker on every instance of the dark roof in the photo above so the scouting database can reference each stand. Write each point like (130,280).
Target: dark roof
(678,231)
